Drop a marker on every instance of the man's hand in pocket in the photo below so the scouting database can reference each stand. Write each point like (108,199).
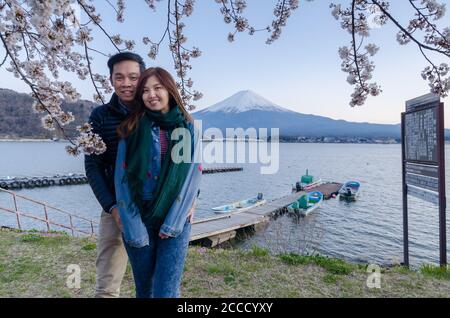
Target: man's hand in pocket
(116,216)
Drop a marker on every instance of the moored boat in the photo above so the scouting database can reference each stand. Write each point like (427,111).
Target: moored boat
(240,206)
(307,182)
(349,191)
(306,204)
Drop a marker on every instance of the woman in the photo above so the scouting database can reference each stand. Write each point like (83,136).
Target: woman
(156,184)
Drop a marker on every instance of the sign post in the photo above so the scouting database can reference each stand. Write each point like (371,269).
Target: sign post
(423,162)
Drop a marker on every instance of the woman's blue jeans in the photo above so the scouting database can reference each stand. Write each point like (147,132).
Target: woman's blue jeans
(158,267)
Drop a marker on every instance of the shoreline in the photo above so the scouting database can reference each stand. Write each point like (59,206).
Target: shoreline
(208,140)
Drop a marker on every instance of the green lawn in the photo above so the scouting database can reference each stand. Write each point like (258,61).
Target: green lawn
(35,265)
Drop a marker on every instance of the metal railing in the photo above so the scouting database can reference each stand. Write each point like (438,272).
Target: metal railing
(47,220)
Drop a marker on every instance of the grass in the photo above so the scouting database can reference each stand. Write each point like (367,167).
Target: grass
(259,251)
(89,247)
(31,238)
(331,265)
(330,279)
(35,265)
(294,259)
(436,271)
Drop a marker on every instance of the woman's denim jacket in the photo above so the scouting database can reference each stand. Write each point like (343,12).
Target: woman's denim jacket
(134,231)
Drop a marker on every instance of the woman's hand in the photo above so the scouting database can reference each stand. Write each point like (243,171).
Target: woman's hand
(190,216)
(163,236)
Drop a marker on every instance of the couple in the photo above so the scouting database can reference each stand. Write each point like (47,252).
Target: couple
(147,193)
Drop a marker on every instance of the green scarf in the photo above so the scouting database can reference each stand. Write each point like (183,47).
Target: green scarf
(172,175)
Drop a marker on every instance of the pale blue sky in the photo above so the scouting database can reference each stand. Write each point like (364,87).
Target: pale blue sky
(300,71)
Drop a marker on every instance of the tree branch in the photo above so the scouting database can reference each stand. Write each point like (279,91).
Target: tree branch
(98,25)
(33,88)
(408,33)
(4,59)
(90,73)
(355,54)
(425,18)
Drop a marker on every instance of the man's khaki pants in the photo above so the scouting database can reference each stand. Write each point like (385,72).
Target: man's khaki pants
(111,260)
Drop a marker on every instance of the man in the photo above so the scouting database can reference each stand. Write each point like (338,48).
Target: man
(124,69)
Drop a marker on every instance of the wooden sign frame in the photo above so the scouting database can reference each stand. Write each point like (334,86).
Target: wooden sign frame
(419,176)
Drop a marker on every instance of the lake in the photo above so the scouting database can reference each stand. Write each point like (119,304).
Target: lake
(368,230)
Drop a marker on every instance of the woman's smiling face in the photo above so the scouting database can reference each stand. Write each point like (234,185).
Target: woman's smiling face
(155,96)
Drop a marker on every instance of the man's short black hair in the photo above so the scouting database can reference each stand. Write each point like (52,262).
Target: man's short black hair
(125,56)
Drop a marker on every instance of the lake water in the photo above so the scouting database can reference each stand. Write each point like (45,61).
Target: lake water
(368,230)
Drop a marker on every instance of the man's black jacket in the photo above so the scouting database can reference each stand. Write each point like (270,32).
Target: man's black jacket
(100,168)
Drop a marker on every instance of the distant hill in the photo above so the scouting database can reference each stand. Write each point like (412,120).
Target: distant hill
(242,110)
(247,109)
(18,120)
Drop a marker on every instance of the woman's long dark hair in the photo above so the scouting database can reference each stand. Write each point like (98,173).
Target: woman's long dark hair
(128,125)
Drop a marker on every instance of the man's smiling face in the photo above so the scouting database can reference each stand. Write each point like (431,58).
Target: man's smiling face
(124,79)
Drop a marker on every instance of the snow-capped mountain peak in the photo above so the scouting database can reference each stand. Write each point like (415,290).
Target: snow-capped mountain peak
(244,101)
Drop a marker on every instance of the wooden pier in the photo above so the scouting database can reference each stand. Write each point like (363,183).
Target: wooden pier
(215,230)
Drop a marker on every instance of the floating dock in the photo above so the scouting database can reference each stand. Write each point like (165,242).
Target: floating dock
(38,182)
(215,230)
(72,179)
(220,170)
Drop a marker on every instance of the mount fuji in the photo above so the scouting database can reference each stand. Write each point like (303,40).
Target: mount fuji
(247,109)
(244,101)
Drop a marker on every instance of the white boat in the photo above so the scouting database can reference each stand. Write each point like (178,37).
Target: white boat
(349,191)
(240,206)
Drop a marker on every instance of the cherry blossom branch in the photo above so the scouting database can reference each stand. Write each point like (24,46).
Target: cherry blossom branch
(355,54)
(407,33)
(96,22)
(425,18)
(434,75)
(283,11)
(357,64)
(50,118)
(4,59)
(99,95)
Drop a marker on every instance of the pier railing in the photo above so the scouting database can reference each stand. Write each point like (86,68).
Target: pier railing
(46,209)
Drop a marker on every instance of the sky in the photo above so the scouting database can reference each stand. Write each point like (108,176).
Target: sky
(300,71)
